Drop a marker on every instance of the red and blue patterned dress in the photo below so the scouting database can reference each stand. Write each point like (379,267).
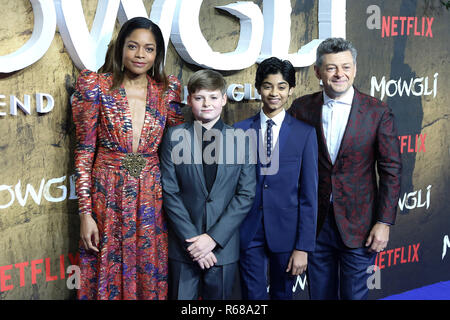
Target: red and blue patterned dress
(133,261)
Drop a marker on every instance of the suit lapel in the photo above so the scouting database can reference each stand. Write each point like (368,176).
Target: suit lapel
(220,156)
(195,138)
(284,133)
(316,113)
(256,126)
(353,123)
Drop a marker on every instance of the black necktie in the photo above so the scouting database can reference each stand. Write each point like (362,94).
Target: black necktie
(270,123)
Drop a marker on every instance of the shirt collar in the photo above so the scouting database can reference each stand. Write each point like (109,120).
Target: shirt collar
(347,98)
(218,125)
(278,119)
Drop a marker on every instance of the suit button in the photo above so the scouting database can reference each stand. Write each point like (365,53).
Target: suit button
(209,200)
(266,186)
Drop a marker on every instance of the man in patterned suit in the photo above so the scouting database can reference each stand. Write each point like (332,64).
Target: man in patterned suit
(356,137)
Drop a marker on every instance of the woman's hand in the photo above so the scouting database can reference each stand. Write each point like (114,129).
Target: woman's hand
(89,232)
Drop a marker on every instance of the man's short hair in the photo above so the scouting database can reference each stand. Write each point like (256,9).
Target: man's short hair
(207,79)
(274,65)
(334,45)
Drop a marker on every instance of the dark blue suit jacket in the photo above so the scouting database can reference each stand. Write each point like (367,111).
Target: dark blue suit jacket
(288,198)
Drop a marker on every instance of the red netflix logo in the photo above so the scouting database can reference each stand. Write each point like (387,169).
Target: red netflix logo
(401,255)
(36,268)
(411,144)
(392,26)
(399,26)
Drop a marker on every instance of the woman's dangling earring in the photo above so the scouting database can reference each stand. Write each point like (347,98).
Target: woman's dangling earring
(153,71)
(121,68)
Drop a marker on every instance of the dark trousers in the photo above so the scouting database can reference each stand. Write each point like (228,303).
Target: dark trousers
(336,271)
(188,281)
(253,263)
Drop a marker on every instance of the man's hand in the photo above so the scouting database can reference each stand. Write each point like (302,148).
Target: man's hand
(297,262)
(208,261)
(201,246)
(378,237)
(89,232)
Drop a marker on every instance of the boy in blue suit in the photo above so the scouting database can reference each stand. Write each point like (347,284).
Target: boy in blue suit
(280,229)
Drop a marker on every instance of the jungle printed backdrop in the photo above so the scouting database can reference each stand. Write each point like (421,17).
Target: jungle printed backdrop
(403,60)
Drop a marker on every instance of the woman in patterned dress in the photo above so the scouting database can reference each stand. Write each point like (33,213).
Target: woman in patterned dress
(120,117)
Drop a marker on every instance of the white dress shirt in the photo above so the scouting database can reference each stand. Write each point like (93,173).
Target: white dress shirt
(335,115)
(278,119)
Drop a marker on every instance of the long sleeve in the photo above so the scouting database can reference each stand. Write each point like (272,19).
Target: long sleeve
(174,207)
(174,115)
(238,207)
(85,110)
(306,231)
(389,168)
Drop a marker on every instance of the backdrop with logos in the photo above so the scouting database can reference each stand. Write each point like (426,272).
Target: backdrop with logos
(402,59)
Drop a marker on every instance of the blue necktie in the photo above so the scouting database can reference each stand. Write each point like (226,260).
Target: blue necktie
(270,123)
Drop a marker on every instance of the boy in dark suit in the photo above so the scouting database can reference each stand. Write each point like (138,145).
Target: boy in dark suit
(280,228)
(205,197)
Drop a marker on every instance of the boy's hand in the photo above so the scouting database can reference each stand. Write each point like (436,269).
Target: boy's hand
(297,262)
(208,261)
(201,246)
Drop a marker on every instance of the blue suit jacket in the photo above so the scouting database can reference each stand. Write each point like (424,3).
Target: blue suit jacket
(287,199)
